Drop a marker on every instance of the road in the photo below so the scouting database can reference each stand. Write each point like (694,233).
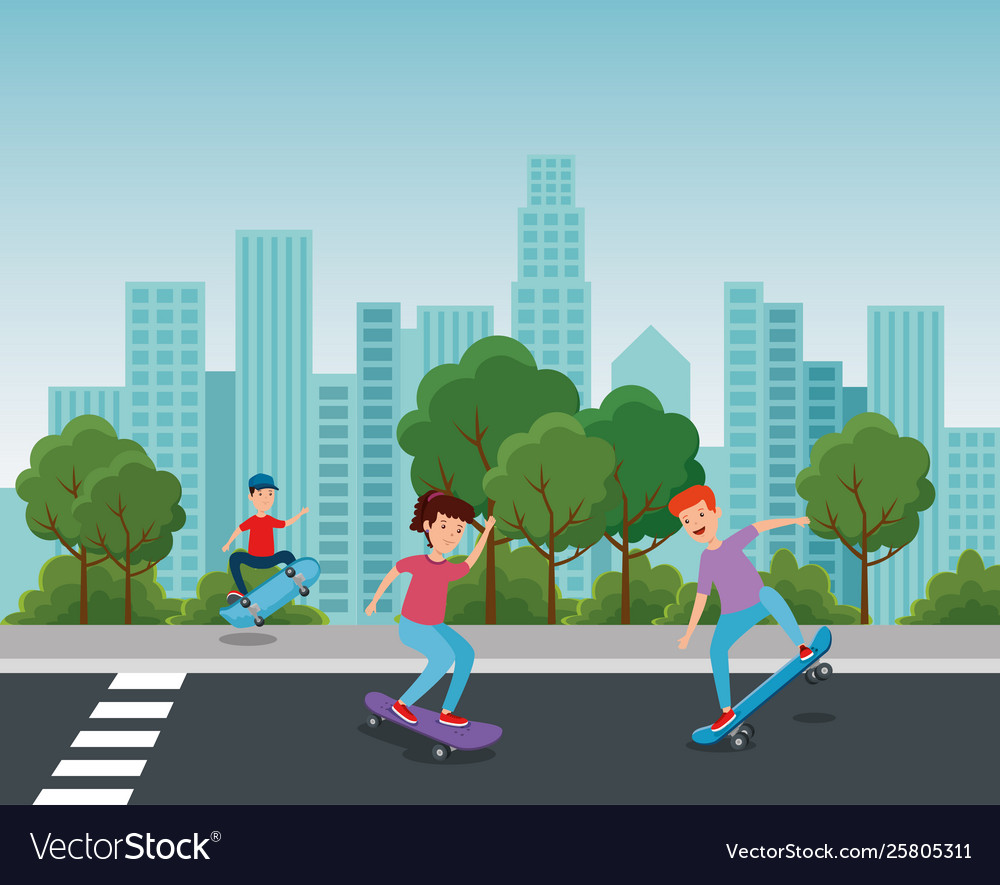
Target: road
(295,739)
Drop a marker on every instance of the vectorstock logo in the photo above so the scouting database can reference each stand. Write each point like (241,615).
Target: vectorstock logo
(134,846)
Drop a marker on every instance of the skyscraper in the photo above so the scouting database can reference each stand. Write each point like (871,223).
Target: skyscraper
(906,384)
(165,384)
(968,494)
(550,301)
(226,505)
(67,403)
(273,368)
(654,363)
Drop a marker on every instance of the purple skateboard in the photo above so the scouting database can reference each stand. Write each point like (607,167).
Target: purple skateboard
(447,738)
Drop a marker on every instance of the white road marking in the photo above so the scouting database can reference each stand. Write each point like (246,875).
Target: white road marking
(116,739)
(131,710)
(99,768)
(161,681)
(83,797)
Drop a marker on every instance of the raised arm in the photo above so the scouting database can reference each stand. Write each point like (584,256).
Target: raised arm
(480,544)
(769,524)
(297,517)
(386,581)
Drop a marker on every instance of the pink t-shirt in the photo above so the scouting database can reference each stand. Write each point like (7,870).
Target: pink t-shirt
(427,594)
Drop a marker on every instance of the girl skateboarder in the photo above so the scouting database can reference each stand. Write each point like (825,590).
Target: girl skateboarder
(442,519)
(744,599)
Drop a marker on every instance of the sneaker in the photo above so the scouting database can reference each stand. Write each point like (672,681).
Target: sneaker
(403,713)
(452,719)
(234,596)
(805,652)
(723,721)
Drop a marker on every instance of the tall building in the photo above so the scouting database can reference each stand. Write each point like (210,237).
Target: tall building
(906,384)
(550,301)
(273,369)
(654,363)
(968,494)
(165,386)
(745,392)
(67,403)
(226,504)
(336,511)
(379,462)
(848,590)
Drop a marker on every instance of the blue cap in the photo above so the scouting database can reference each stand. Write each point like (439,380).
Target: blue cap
(262,481)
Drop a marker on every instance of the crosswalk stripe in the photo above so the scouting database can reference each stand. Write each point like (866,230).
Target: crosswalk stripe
(83,797)
(116,739)
(156,681)
(99,768)
(131,710)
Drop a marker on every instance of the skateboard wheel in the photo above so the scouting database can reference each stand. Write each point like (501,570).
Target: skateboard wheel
(739,740)
(824,671)
(303,591)
(811,676)
(259,621)
(290,572)
(748,729)
(373,721)
(245,601)
(439,752)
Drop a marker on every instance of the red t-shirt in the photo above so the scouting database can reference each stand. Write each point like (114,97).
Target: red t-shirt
(427,595)
(261,530)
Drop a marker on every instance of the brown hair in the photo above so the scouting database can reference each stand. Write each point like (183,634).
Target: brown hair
(431,503)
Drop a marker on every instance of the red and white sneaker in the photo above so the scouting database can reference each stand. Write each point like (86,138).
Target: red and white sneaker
(723,721)
(805,652)
(452,719)
(403,713)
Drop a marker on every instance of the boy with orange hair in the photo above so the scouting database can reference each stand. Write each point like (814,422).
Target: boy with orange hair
(744,599)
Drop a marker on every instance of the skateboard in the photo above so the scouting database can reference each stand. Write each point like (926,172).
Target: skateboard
(739,731)
(447,738)
(275,592)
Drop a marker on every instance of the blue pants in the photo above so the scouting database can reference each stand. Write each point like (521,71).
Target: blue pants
(239,558)
(442,647)
(735,624)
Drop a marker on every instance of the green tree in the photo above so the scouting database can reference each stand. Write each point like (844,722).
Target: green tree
(651,590)
(968,595)
(654,460)
(464,413)
(214,587)
(57,601)
(552,486)
(805,588)
(521,597)
(867,487)
(54,484)
(130,511)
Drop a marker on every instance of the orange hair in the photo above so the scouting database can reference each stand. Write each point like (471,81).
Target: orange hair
(691,496)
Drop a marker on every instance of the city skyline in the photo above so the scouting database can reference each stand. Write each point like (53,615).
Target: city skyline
(867,178)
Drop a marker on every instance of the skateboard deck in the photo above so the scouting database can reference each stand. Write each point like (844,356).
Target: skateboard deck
(739,731)
(276,592)
(447,738)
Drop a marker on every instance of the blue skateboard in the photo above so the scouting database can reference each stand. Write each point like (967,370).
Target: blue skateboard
(276,592)
(739,731)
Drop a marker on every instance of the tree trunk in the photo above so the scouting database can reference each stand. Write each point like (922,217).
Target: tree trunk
(491,575)
(128,583)
(552,571)
(83,585)
(864,580)
(626,586)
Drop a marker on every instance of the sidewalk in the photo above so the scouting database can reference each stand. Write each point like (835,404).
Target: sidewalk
(500,649)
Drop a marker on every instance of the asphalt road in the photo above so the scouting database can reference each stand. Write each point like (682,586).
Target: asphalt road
(292,739)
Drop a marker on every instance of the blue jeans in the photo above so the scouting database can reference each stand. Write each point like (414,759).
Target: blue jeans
(735,624)
(442,647)
(239,558)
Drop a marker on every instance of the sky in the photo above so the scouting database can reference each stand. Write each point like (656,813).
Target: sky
(844,154)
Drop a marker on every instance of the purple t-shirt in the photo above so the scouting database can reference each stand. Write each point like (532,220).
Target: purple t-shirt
(734,576)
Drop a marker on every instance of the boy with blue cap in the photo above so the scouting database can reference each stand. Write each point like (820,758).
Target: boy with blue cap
(260,547)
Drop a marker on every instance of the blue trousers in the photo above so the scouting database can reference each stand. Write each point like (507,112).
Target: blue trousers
(239,558)
(442,647)
(735,624)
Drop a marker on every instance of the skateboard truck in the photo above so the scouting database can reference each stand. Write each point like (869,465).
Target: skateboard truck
(299,580)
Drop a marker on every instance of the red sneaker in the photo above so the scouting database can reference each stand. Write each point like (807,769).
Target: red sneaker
(403,713)
(452,719)
(805,652)
(723,721)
